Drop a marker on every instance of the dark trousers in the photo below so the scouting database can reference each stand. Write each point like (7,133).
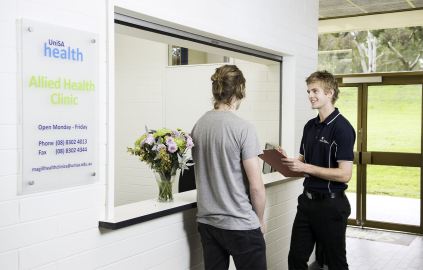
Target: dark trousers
(247,248)
(324,221)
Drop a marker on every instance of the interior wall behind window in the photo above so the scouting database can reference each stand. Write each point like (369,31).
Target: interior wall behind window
(150,92)
(139,70)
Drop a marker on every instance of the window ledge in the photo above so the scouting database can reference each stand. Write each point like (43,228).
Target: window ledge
(134,213)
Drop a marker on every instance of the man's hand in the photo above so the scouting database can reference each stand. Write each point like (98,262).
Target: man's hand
(294,164)
(263,227)
(341,174)
(281,151)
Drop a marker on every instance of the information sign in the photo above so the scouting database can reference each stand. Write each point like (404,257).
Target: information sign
(59,89)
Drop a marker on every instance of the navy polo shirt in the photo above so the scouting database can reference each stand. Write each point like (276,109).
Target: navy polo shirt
(323,144)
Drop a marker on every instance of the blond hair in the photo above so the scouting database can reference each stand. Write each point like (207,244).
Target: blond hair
(227,83)
(327,82)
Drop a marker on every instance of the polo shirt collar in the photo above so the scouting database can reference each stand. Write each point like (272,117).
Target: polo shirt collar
(328,119)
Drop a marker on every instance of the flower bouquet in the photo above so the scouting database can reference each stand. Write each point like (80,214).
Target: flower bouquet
(166,151)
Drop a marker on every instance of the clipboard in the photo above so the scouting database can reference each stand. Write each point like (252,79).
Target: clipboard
(273,158)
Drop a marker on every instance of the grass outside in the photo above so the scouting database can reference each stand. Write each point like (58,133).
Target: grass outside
(390,180)
(394,121)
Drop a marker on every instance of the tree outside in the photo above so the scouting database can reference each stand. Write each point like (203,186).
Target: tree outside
(383,50)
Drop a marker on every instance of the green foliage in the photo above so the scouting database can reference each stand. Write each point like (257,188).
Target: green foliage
(399,49)
(390,180)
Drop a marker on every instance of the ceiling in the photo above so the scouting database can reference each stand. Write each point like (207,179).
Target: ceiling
(348,8)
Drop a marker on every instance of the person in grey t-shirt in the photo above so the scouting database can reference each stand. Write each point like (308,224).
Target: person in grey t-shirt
(230,190)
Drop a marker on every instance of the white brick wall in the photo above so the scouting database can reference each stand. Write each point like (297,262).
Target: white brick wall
(9,162)
(281,207)
(9,260)
(58,229)
(140,67)
(8,187)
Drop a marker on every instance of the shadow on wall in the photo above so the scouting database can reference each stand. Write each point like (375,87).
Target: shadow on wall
(195,254)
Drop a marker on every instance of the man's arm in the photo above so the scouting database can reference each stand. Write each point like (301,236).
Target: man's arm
(257,191)
(341,174)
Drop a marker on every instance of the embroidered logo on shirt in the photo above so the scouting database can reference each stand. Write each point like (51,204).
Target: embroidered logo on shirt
(323,140)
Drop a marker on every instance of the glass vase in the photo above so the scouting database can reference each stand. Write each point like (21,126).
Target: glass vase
(165,185)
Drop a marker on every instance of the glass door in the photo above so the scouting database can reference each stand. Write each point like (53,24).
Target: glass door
(385,189)
(392,154)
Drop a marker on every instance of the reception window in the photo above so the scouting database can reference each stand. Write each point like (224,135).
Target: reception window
(162,79)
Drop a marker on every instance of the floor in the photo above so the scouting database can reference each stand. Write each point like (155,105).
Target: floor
(365,255)
(375,255)
(389,209)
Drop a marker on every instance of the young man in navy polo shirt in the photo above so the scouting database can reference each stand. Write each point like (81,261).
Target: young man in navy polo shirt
(326,159)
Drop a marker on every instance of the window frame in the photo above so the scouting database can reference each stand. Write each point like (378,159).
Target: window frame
(131,21)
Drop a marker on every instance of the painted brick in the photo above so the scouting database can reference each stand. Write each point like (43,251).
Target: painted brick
(63,17)
(9,162)
(8,137)
(29,233)
(8,108)
(9,213)
(129,253)
(79,221)
(50,266)
(8,188)
(8,60)
(89,240)
(8,30)
(59,202)
(8,91)
(59,247)
(8,10)
(9,260)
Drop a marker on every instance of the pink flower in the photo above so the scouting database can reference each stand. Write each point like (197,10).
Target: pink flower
(169,140)
(190,143)
(149,140)
(172,147)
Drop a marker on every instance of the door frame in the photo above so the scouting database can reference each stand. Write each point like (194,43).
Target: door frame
(363,157)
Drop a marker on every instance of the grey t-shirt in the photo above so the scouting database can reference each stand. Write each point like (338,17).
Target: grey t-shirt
(222,140)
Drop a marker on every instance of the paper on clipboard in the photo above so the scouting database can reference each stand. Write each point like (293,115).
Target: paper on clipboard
(273,158)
